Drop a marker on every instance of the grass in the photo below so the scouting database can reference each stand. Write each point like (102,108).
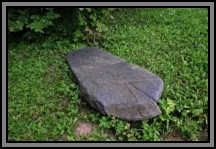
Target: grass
(43,98)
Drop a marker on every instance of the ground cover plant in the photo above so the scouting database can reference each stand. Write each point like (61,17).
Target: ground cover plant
(43,97)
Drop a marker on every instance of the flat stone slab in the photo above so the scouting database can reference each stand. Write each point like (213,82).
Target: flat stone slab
(114,87)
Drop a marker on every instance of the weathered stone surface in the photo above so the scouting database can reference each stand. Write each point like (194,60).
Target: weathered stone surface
(114,87)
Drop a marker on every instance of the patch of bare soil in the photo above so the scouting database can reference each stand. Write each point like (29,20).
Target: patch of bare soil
(110,133)
(62,137)
(175,135)
(204,135)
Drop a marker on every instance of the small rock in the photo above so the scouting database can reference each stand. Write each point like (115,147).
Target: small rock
(83,129)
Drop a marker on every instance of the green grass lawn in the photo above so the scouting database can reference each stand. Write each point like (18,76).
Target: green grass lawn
(43,98)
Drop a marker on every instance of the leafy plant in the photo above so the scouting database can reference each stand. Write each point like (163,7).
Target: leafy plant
(36,23)
(34,19)
(91,26)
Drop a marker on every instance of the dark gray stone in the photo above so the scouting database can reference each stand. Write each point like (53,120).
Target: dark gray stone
(114,87)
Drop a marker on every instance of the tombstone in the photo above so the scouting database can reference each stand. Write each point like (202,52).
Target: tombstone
(114,87)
